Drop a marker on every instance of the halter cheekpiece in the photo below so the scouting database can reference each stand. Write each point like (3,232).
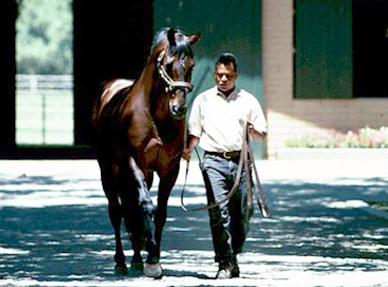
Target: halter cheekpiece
(171,84)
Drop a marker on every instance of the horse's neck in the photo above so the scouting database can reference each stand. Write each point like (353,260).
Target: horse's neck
(149,92)
(168,128)
(144,85)
(152,93)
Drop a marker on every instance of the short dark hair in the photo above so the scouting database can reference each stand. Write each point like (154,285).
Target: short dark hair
(226,58)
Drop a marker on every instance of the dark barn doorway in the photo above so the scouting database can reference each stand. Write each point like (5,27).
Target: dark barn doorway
(110,40)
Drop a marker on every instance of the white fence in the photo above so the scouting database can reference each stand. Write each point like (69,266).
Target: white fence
(44,110)
(35,83)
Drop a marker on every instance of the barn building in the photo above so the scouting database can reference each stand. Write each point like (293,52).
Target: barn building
(314,65)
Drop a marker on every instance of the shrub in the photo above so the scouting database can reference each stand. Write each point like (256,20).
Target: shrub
(363,138)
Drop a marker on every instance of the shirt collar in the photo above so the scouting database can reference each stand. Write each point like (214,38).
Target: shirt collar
(231,95)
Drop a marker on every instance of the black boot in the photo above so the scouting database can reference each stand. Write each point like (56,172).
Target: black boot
(235,272)
(227,268)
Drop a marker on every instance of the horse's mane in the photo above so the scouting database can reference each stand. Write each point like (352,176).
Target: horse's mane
(181,47)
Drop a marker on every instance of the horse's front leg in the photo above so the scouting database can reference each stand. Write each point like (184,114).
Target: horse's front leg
(136,238)
(167,181)
(144,226)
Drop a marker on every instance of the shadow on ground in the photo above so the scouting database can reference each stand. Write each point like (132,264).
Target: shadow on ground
(346,218)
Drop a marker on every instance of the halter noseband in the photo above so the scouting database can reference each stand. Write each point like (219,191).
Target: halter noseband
(171,84)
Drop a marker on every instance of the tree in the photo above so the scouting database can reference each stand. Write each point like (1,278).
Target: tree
(44,39)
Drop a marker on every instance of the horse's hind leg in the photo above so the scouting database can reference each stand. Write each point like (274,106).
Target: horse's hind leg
(109,178)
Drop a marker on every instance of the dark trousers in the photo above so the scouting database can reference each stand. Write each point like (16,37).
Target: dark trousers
(229,221)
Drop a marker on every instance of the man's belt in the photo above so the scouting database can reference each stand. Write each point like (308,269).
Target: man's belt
(226,154)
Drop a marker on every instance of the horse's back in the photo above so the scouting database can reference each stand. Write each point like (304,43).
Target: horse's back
(111,89)
(108,107)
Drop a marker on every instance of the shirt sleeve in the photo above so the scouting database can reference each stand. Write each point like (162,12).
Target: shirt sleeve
(256,117)
(195,126)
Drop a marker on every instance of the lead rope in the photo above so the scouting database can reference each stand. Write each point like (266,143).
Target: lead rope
(185,141)
(247,176)
(261,202)
(245,151)
(213,205)
(228,196)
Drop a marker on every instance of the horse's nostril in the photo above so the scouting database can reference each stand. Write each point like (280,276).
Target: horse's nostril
(179,109)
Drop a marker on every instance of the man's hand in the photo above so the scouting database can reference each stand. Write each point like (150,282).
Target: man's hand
(257,136)
(193,141)
(186,154)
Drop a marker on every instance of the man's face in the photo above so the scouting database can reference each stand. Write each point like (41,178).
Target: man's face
(225,76)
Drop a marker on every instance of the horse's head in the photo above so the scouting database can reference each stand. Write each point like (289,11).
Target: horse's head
(175,63)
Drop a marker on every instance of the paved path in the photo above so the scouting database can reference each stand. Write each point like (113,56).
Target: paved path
(329,227)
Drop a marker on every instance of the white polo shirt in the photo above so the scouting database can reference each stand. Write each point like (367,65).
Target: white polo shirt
(219,121)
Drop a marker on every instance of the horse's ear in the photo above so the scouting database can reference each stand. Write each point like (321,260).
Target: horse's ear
(194,38)
(171,36)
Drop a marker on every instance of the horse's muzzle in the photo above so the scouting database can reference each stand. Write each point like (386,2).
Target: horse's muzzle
(178,112)
(178,104)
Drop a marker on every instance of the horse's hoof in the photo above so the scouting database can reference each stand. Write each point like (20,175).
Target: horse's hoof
(153,270)
(137,263)
(137,266)
(121,270)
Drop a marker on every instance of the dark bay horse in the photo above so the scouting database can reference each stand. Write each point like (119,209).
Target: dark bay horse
(141,129)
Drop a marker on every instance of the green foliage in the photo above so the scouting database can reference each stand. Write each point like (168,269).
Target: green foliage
(44,43)
(364,138)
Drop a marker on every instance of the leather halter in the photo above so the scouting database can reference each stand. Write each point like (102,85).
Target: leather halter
(171,84)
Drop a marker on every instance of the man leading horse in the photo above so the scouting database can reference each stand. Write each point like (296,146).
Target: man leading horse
(217,122)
